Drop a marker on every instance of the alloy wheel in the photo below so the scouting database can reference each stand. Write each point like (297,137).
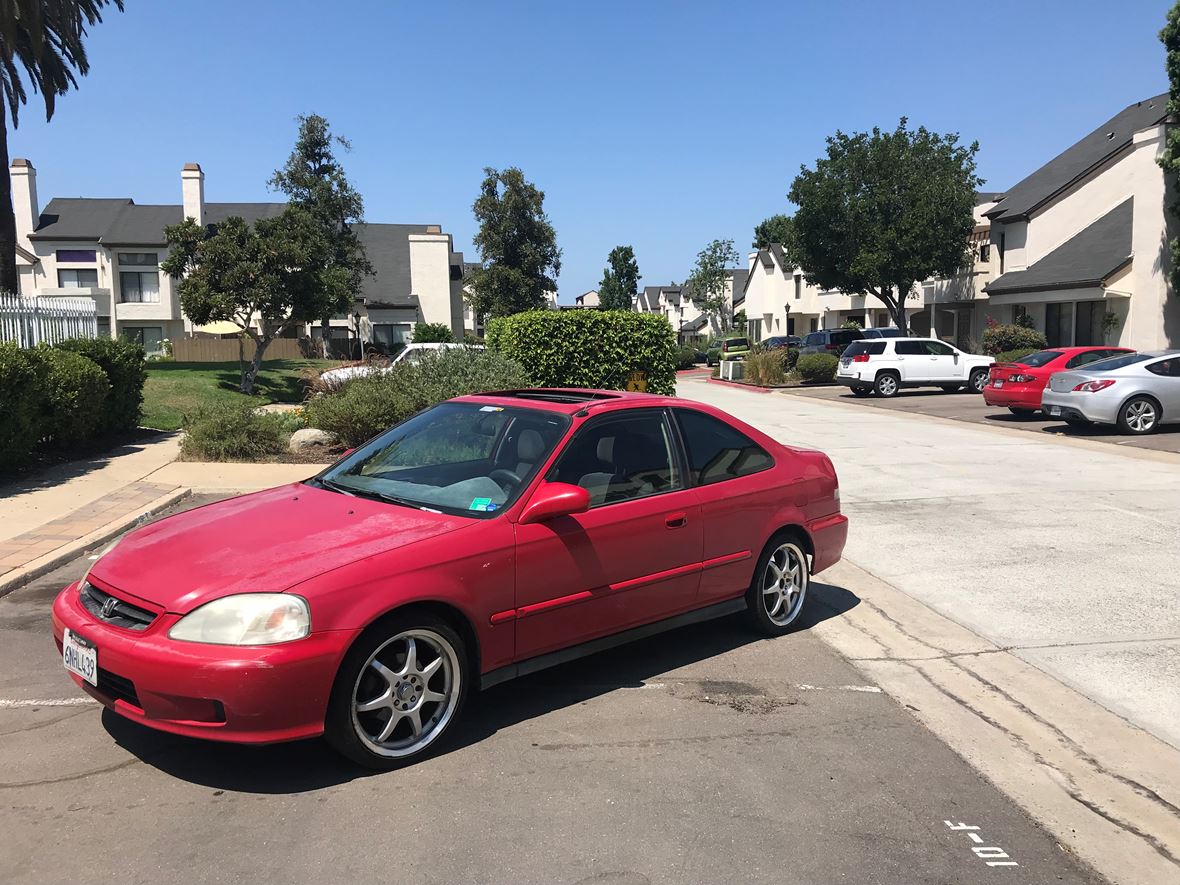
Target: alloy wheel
(1140,415)
(784,584)
(887,385)
(979,381)
(406,693)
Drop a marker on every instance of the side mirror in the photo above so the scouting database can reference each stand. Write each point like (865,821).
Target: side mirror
(554,499)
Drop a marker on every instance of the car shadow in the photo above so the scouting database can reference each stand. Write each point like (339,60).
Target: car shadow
(303,766)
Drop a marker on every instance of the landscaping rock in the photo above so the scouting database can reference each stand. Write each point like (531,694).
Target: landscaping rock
(309,438)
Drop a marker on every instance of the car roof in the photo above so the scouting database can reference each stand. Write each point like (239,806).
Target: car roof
(571,400)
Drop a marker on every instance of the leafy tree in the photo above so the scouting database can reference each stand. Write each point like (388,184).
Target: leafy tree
(432,333)
(45,39)
(1170,158)
(883,210)
(314,181)
(264,279)
(517,244)
(620,280)
(739,320)
(775,229)
(706,285)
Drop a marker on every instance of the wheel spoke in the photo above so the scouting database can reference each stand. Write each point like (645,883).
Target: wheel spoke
(411,663)
(394,719)
(432,668)
(778,604)
(433,696)
(382,701)
(384,672)
(415,719)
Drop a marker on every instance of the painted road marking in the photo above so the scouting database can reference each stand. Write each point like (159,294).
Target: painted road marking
(7,704)
(992,855)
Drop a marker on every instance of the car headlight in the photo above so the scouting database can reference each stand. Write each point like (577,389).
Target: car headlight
(246,619)
(105,550)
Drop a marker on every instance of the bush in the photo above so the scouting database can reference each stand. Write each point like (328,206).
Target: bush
(433,333)
(589,348)
(1001,338)
(817,367)
(767,367)
(1012,356)
(686,356)
(233,432)
(21,410)
(792,358)
(369,405)
(123,363)
(74,394)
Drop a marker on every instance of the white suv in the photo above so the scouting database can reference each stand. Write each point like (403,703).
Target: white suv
(886,366)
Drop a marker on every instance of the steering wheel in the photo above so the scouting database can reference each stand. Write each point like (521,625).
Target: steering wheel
(506,479)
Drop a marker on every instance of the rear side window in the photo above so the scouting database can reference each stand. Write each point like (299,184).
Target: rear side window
(1168,368)
(717,452)
(1090,356)
(873,348)
(910,348)
(815,338)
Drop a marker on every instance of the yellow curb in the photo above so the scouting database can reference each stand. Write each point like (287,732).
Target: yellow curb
(43,564)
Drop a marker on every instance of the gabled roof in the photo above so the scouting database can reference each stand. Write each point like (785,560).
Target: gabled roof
(1086,259)
(740,275)
(78,218)
(694,325)
(1075,162)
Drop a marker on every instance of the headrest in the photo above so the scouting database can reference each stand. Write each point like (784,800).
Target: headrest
(606,449)
(530,446)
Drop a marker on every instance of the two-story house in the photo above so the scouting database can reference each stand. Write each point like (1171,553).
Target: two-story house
(676,304)
(110,250)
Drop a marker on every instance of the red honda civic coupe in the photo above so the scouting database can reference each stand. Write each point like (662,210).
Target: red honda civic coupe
(484,538)
(1018,386)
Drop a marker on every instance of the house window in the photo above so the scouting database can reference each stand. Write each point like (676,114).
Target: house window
(104,327)
(77,278)
(139,286)
(149,336)
(1001,253)
(139,259)
(798,286)
(1059,323)
(985,253)
(76,256)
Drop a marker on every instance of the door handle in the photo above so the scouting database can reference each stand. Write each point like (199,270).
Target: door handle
(676,520)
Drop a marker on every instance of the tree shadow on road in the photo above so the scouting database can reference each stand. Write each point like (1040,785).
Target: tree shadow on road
(311,765)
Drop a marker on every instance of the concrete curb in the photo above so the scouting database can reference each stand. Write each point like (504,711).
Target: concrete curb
(17,578)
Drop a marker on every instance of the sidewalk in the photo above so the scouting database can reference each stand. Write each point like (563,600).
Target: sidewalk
(53,516)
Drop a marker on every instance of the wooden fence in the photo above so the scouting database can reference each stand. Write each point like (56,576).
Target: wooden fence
(29,321)
(225,350)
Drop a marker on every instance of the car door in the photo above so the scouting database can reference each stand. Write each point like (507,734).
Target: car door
(632,558)
(944,363)
(911,359)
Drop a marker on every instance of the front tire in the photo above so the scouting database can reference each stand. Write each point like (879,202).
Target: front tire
(1139,416)
(887,385)
(399,690)
(778,590)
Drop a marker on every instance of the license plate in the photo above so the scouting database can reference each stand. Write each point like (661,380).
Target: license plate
(80,657)
(997,383)
(1053,410)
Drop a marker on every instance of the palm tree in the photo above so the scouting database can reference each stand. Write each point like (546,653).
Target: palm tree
(44,38)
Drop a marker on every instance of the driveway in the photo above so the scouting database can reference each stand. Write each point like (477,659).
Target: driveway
(972,409)
(1065,554)
(703,755)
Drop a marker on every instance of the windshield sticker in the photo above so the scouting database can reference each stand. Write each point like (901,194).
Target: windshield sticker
(492,409)
(481,504)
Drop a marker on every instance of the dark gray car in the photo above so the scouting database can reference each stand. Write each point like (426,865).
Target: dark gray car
(831,341)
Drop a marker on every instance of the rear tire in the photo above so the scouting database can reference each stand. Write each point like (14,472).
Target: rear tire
(887,384)
(861,391)
(1139,416)
(778,590)
(978,381)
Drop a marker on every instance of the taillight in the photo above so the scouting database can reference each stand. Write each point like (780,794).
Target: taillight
(1093,386)
(1022,379)
(832,347)
(860,358)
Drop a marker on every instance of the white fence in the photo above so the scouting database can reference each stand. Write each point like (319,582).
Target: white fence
(29,321)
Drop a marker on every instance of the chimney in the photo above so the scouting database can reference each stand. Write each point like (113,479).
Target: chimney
(192,189)
(24,199)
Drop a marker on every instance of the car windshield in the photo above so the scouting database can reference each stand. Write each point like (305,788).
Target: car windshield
(1116,362)
(461,458)
(1038,359)
(734,343)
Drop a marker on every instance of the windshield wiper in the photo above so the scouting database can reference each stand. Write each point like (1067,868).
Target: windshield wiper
(371,494)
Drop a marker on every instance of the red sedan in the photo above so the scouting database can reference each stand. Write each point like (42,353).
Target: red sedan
(1019,385)
(485,538)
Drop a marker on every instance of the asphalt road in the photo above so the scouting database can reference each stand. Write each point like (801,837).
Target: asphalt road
(704,755)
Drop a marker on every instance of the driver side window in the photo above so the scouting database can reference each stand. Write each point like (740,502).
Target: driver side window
(621,459)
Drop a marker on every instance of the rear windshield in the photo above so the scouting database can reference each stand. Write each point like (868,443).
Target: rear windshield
(1117,362)
(843,336)
(870,347)
(733,343)
(1038,359)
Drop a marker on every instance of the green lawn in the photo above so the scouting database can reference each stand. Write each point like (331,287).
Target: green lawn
(174,390)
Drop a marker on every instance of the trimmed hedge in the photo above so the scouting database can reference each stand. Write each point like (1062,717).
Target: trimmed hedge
(124,363)
(1003,338)
(817,367)
(21,415)
(1012,356)
(588,348)
(74,394)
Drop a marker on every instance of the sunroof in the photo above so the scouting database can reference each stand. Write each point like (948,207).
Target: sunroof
(554,396)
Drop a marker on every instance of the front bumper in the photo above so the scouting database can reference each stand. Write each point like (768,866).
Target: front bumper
(242,694)
(1099,407)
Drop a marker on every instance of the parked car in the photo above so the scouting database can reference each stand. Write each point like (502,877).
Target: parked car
(1018,385)
(482,539)
(831,341)
(777,342)
(410,353)
(886,366)
(726,349)
(884,332)
(1136,391)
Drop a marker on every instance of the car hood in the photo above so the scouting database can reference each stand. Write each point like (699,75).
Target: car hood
(267,541)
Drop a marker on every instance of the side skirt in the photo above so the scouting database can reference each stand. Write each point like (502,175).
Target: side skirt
(561,656)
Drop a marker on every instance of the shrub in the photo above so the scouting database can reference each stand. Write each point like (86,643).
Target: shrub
(686,356)
(589,348)
(74,392)
(1011,356)
(817,367)
(766,367)
(21,412)
(792,358)
(433,333)
(1001,338)
(369,405)
(233,431)
(123,363)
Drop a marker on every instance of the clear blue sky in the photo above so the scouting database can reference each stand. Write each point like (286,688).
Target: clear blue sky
(658,124)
